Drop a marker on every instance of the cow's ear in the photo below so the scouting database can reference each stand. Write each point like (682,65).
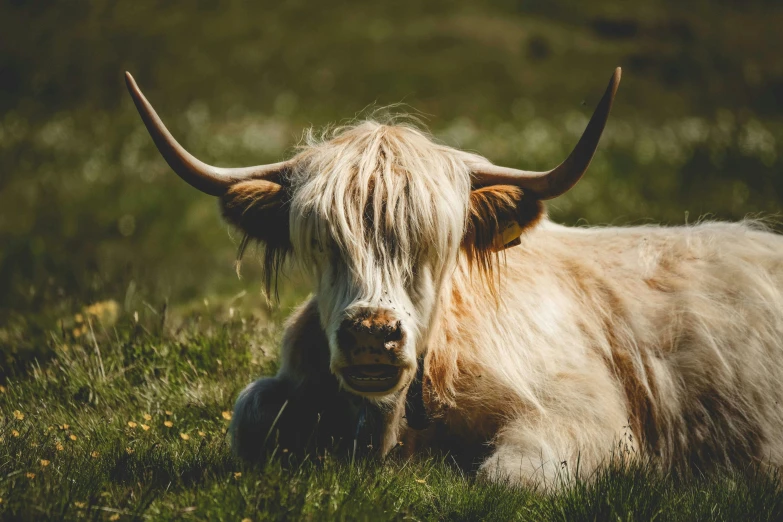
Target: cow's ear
(497,218)
(261,210)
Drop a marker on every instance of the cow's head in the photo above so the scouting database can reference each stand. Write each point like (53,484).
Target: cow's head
(377,215)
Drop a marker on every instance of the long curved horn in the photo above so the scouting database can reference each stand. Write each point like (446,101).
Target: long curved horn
(552,183)
(214,181)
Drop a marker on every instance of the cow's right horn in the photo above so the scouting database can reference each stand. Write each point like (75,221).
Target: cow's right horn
(214,181)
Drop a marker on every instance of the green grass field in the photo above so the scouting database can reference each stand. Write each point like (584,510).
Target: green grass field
(128,421)
(125,335)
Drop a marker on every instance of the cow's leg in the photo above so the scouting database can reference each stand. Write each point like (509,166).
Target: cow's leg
(301,408)
(276,412)
(266,413)
(546,454)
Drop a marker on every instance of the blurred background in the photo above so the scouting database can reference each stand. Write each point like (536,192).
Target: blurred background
(90,212)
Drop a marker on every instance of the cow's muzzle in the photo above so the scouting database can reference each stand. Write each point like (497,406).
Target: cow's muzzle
(372,343)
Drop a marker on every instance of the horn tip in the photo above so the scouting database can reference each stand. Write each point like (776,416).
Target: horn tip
(614,81)
(129,81)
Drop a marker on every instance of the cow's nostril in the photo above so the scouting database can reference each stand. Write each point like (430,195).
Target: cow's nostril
(345,336)
(394,332)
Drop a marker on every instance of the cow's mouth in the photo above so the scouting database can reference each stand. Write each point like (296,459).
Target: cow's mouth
(372,377)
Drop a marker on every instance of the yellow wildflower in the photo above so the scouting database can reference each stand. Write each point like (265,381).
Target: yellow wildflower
(247,519)
(202,434)
(95,454)
(59,447)
(76,332)
(114,517)
(132,424)
(168,424)
(237,474)
(226,415)
(2,389)
(145,427)
(78,318)
(105,311)
(169,412)
(29,475)
(184,436)
(80,504)
(14,433)
(72,436)
(147,417)
(18,415)
(44,463)
(64,427)
(129,450)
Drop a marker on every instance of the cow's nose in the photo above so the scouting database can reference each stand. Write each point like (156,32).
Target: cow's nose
(371,337)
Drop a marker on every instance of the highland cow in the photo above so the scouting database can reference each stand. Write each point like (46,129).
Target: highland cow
(448,306)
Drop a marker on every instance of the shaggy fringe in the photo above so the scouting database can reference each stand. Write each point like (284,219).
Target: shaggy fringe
(386,185)
(385,198)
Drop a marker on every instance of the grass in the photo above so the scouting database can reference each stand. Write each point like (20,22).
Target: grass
(128,420)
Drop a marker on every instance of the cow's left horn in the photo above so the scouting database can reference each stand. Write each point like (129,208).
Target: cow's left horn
(215,181)
(550,184)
